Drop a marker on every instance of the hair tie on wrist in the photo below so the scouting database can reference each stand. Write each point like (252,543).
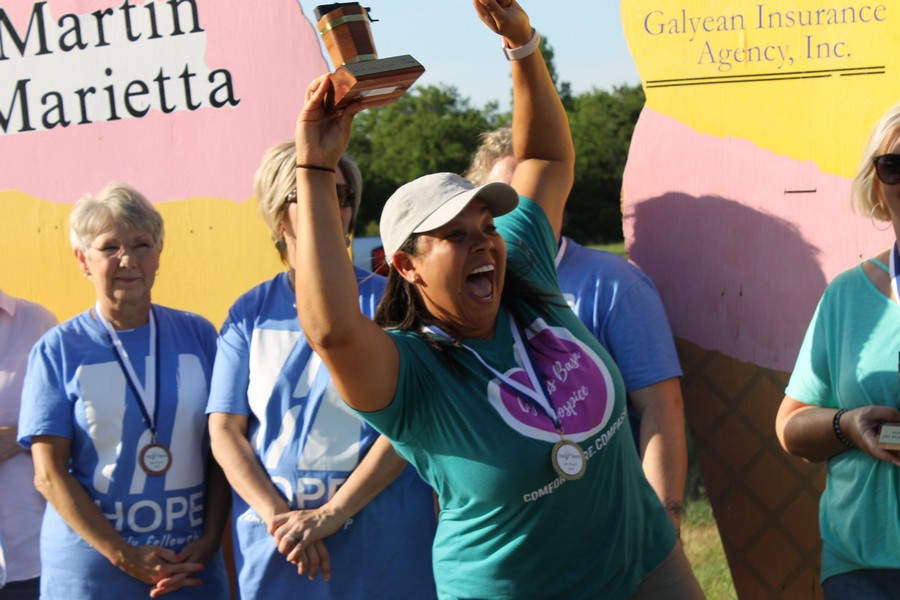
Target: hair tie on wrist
(316,168)
(522,51)
(836,426)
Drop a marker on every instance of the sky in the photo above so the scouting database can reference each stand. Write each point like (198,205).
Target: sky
(457,49)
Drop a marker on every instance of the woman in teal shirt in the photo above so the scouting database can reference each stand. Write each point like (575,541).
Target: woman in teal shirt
(485,380)
(845,386)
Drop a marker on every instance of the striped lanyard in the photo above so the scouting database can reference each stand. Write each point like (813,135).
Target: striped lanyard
(146,397)
(537,396)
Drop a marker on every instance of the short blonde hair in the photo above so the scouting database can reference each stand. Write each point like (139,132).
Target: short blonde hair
(274,180)
(117,203)
(494,145)
(276,177)
(864,189)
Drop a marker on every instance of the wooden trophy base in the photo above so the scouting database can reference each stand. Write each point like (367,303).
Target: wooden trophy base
(373,82)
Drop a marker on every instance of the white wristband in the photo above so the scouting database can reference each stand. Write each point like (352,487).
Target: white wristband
(522,51)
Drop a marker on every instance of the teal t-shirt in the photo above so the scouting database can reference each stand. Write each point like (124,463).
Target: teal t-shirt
(849,359)
(510,527)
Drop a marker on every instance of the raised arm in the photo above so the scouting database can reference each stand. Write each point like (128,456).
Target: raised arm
(542,141)
(361,357)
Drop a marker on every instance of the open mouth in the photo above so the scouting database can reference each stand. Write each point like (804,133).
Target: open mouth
(480,283)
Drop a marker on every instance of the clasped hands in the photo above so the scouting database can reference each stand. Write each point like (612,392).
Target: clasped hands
(166,570)
(298,535)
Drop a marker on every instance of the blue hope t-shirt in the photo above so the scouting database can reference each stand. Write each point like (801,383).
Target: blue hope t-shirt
(309,442)
(76,389)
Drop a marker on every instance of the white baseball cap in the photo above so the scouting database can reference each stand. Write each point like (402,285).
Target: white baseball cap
(430,201)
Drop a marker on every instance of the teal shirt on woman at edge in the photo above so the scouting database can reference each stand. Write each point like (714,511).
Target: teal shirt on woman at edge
(848,359)
(510,527)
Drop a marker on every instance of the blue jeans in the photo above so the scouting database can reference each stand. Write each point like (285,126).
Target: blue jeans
(29,589)
(865,584)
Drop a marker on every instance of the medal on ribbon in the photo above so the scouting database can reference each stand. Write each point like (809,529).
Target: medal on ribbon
(566,456)
(568,459)
(154,458)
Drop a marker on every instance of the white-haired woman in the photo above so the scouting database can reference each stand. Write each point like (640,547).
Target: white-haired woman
(485,380)
(301,465)
(113,412)
(845,386)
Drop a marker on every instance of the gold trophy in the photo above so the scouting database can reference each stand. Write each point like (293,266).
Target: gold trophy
(360,76)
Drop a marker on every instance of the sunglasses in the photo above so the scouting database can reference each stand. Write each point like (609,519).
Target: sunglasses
(346,194)
(887,167)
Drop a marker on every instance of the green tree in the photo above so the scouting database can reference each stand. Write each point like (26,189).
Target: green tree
(430,129)
(602,124)
(563,88)
(434,129)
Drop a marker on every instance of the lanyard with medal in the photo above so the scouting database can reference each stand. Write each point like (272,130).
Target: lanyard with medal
(154,458)
(566,456)
(889,433)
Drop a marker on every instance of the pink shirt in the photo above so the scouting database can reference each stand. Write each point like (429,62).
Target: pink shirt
(21,507)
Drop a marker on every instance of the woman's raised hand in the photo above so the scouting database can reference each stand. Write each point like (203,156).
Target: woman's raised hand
(321,136)
(506,18)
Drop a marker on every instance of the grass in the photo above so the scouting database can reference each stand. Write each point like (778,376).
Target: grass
(614,247)
(703,547)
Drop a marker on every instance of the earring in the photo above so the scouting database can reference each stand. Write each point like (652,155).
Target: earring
(872,217)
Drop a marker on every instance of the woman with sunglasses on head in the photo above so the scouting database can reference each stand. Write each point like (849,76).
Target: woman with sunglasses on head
(113,413)
(845,386)
(288,444)
(485,379)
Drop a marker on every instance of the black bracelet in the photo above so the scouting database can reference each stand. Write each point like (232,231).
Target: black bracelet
(316,168)
(836,426)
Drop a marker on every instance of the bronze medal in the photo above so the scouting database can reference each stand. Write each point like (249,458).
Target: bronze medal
(155,459)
